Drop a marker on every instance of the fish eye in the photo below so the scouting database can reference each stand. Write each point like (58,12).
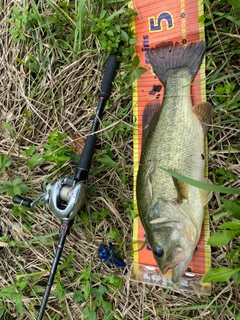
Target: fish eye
(158,252)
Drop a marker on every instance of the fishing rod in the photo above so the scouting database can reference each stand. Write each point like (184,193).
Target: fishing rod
(66,196)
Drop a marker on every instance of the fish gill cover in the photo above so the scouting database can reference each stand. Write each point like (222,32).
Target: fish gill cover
(157,24)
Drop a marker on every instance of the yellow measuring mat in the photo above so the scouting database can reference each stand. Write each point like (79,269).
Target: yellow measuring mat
(173,25)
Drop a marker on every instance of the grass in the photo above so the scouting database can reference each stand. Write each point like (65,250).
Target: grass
(52,58)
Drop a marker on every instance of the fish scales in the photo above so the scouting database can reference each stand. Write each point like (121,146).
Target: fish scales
(175,141)
(168,143)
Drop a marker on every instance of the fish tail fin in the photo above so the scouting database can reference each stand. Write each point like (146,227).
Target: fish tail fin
(168,59)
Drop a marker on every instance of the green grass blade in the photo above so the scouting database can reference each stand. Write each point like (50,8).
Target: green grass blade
(202,185)
(116,13)
(60,11)
(78,29)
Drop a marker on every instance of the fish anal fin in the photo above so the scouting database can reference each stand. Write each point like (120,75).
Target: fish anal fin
(204,113)
(182,190)
(150,114)
(206,195)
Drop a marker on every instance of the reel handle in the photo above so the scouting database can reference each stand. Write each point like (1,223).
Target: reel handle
(26,202)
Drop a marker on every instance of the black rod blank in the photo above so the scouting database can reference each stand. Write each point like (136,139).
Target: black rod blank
(64,232)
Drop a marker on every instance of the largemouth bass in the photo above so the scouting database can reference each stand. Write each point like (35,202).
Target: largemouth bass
(171,211)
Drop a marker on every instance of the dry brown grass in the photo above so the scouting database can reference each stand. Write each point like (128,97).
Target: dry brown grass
(65,97)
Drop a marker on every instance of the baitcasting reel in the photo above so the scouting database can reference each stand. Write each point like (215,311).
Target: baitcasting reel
(64,198)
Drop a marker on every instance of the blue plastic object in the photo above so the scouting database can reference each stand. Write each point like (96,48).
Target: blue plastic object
(110,256)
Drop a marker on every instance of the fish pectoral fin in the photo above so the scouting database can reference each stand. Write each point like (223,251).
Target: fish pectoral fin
(182,190)
(164,212)
(159,220)
(206,195)
(204,113)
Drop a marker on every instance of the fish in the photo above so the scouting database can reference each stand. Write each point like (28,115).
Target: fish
(174,132)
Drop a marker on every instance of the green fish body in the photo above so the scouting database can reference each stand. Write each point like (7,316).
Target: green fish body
(171,211)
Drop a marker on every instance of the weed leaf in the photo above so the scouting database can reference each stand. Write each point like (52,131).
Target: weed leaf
(85,274)
(37,289)
(230,225)
(236,278)
(9,292)
(19,304)
(78,296)
(233,207)
(114,280)
(235,3)
(7,126)
(31,150)
(35,160)
(108,162)
(233,255)
(220,274)
(5,162)
(60,291)
(124,35)
(114,234)
(87,289)
(221,238)
(15,11)
(14,187)
(23,283)
(89,314)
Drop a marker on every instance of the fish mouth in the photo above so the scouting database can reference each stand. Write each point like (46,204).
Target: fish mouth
(178,268)
(177,271)
(175,258)
(169,266)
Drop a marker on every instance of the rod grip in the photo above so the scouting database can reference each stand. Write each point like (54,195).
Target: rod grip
(109,74)
(86,158)
(23,201)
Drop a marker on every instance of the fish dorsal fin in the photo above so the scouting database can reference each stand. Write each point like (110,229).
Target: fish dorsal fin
(206,195)
(182,190)
(204,113)
(150,116)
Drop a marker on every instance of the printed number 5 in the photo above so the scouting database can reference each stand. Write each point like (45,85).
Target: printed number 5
(156,24)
